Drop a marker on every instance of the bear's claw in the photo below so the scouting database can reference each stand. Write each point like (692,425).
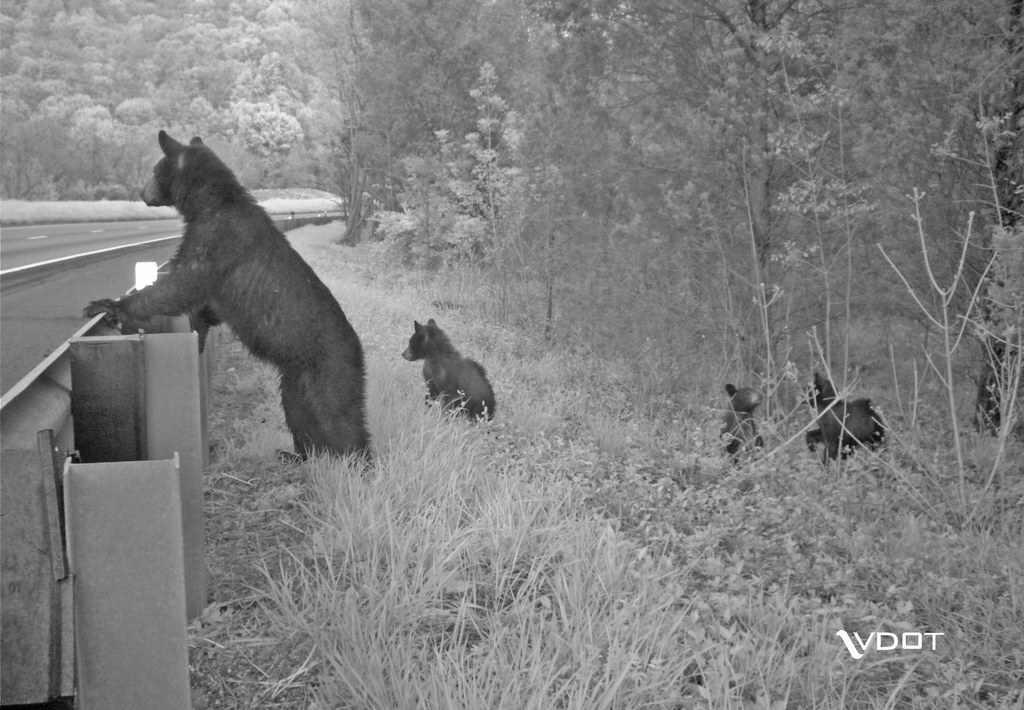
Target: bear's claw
(107,306)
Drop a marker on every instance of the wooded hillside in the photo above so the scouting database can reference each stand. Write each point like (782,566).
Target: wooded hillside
(699,183)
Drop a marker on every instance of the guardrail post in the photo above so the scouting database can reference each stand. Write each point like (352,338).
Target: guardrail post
(108,398)
(36,643)
(130,635)
(163,418)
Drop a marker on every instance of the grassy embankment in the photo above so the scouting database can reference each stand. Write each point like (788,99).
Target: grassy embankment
(575,555)
(276,202)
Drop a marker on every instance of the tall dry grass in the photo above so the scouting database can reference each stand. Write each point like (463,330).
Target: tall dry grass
(581,552)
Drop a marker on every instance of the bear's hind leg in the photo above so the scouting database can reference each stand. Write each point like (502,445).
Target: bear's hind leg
(298,415)
(325,412)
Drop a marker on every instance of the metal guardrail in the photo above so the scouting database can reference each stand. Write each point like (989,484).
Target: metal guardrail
(54,371)
(42,398)
(39,625)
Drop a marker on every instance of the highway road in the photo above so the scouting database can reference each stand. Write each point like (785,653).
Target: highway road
(40,307)
(20,246)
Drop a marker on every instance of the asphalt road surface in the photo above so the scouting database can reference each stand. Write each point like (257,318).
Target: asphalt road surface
(41,307)
(20,246)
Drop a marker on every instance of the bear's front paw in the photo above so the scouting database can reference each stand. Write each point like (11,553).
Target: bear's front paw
(108,307)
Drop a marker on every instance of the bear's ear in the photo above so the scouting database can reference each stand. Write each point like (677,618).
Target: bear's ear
(730,390)
(168,145)
(431,323)
(196,140)
(416,326)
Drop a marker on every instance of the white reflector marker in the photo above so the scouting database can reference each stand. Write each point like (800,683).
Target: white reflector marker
(145,274)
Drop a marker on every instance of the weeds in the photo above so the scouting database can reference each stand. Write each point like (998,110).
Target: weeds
(953,328)
(580,552)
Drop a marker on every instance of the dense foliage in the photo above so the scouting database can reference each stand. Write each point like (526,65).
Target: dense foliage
(673,180)
(628,203)
(576,554)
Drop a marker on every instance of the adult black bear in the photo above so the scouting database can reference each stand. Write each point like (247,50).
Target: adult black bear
(233,265)
(846,425)
(738,423)
(456,381)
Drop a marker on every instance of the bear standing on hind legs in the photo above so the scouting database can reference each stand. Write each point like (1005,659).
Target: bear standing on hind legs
(233,265)
(457,382)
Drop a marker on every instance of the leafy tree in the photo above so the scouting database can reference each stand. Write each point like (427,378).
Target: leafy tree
(135,112)
(336,32)
(1001,327)
(463,202)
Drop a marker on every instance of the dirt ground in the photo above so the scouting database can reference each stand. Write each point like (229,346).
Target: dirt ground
(237,658)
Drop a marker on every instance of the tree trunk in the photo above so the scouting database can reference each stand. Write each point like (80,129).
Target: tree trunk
(354,224)
(1008,176)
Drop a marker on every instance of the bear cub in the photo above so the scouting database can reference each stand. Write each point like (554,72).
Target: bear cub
(738,425)
(847,425)
(457,382)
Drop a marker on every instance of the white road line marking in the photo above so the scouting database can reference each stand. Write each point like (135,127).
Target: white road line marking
(41,236)
(16,269)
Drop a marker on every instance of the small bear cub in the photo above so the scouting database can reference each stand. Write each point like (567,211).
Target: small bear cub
(738,425)
(847,425)
(459,383)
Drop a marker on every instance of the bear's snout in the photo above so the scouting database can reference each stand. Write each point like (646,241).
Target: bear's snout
(153,196)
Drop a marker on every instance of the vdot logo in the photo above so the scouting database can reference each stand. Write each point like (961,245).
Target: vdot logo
(886,641)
